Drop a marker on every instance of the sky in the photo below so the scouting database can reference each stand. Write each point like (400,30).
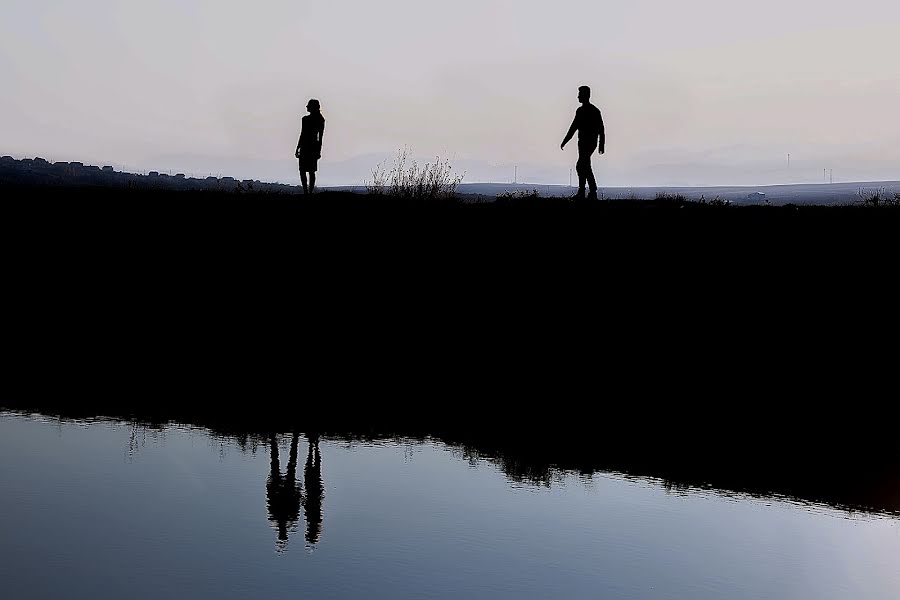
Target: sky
(696,92)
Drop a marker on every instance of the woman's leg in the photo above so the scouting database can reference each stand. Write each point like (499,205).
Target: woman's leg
(304,182)
(312,182)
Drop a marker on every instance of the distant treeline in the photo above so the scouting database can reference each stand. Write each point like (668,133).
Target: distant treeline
(38,172)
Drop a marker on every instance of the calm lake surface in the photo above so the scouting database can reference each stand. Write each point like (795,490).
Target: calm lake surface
(114,510)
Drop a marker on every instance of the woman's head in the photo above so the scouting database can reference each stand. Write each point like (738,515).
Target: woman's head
(313,106)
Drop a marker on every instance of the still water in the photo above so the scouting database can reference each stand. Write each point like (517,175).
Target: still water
(112,510)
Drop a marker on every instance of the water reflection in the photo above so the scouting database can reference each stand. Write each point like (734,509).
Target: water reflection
(806,461)
(187,519)
(285,495)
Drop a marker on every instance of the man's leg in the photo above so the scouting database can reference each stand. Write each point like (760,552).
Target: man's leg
(585,153)
(312,182)
(592,183)
(304,182)
(582,174)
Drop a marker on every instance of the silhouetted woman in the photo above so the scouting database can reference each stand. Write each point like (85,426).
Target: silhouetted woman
(309,146)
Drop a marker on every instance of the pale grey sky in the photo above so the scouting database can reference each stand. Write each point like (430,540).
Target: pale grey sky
(693,92)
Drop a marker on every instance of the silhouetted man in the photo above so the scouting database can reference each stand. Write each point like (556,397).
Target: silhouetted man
(309,146)
(283,493)
(591,135)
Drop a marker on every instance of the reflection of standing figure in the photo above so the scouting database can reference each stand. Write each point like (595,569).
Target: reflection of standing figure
(282,491)
(312,499)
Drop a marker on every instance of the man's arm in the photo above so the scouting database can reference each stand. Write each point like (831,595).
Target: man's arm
(571,132)
(602,147)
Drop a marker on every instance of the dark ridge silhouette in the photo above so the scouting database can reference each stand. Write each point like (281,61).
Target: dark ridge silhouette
(657,252)
(850,465)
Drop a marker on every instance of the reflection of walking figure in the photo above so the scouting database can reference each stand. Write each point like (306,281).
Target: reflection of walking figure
(309,146)
(282,491)
(312,499)
(589,125)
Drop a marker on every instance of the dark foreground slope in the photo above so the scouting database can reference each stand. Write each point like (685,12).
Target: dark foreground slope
(346,301)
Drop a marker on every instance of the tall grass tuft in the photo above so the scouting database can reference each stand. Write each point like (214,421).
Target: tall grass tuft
(407,179)
(877,197)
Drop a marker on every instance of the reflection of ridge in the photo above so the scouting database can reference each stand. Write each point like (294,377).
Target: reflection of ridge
(814,459)
(285,495)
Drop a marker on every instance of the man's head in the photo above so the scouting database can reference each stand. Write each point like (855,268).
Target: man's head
(313,106)
(584,94)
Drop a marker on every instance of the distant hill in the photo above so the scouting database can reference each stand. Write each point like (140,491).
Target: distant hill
(821,194)
(30,172)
